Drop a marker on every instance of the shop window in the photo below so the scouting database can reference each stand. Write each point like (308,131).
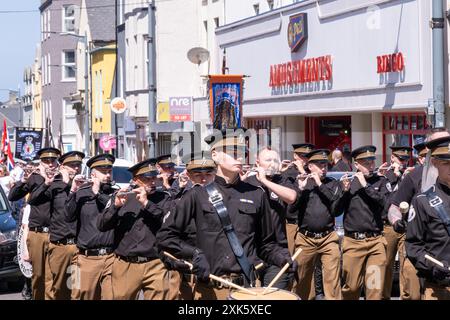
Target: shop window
(403,129)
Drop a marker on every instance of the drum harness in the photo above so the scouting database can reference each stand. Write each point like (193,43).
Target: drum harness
(216,199)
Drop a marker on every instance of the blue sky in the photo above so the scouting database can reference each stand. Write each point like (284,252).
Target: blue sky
(19,35)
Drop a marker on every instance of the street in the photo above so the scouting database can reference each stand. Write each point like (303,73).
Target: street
(6,294)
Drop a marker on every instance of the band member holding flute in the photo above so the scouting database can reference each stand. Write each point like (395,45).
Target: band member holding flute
(62,248)
(395,241)
(364,247)
(280,192)
(428,231)
(136,216)
(95,248)
(39,222)
(316,212)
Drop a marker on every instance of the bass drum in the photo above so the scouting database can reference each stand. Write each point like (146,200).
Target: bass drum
(272,294)
(25,266)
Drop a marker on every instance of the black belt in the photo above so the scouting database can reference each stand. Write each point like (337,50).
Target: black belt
(362,235)
(39,229)
(136,259)
(238,279)
(292,220)
(316,235)
(96,252)
(64,241)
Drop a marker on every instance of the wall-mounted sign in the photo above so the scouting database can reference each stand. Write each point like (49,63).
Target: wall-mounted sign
(118,105)
(297,31)
(301,71)
(180,108)
(107,142)
(391,63)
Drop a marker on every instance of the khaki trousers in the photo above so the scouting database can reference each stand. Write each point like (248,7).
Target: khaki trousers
(364,263)
(409,281)
(327,250)
(435,292)
(392,240)
(291,231)
(41,281)
(93,279)
(128,279)
(60,257)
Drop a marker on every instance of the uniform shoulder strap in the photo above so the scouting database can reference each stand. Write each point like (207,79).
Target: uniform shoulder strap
(216,199)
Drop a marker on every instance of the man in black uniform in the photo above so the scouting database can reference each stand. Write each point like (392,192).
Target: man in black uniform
(280,193)
(249,220)
(395,241)
(95,256)
(297,167)
(167,173)
(428,231)
(136,216)
(364,247)
(316,212)
(62,248)
(39,222)
(200,170)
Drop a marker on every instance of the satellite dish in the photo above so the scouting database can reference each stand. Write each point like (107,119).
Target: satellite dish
(198,55)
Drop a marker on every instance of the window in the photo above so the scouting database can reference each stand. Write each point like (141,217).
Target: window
(49,71)
(216,22)
(403,129)
(256,8)
(98,87)
(68,18)
(70,120)
(270,4)
(42,26)
(68,65)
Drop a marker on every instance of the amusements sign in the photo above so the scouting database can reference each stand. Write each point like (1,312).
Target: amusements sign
(225,101)
(28,143)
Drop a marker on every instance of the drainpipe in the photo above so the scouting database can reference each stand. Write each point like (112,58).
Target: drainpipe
(437,27)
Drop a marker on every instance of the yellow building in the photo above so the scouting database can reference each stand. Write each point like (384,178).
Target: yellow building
(103,62)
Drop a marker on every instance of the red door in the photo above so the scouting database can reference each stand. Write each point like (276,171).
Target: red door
(329,132)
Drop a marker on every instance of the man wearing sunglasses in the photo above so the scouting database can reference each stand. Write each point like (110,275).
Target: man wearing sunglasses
(249,219)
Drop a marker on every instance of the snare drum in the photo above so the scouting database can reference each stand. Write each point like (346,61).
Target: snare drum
(272,294)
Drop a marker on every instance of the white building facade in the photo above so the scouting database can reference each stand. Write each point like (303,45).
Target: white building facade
(361,73)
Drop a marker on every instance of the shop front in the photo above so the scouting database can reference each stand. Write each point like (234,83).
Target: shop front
(336,74)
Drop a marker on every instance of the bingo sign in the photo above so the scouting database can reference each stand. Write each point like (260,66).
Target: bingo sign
(180,108)
(107,143)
